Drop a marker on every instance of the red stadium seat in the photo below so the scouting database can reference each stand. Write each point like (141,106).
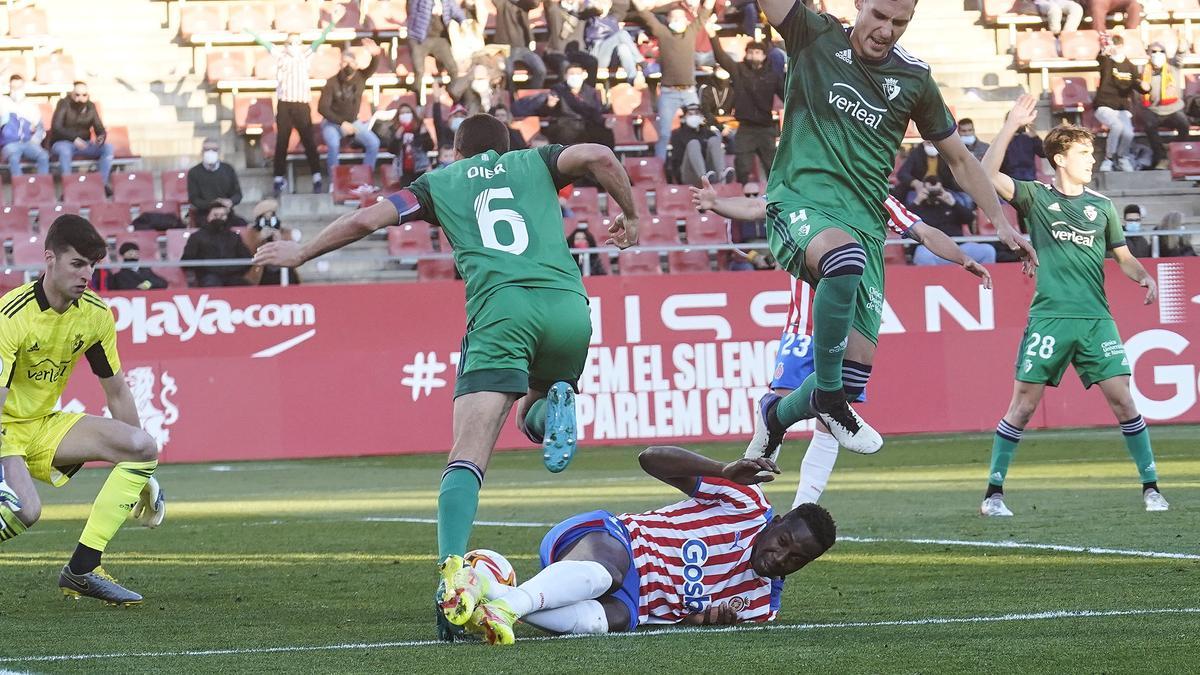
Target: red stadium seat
(264,67)
(627,100)
(55,69)
(226,65)
(200,17)
(435,269)
(48,212)
(33,189)
(82,189)
(410,238)
(584,201)
(1080,45)
(706,229)
(253,15)
(1036,47)
(294,17)
(325,63)
(633,132)
(176,241)
(28,22)
(639,262)
(659,231)
(643,170)
(1184,160)
(174,186)
(1192,84)
(342,14)
(134,187)
(159,206)
(688,261)
(14,222)
(528,126)
(1069,94)
(28,251)
(252,115)
(386,15)
(350,183)
(147,242)
(118,137)
(672,199)
(110,217)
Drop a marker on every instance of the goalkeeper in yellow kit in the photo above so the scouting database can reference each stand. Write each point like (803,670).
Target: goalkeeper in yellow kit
(45,326)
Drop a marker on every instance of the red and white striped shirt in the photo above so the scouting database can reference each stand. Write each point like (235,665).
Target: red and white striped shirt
(291,74)
(799,318)
(696,553)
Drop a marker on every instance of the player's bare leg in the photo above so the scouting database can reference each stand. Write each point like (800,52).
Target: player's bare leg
(1137,438)
(548,418)
(134,455)
(478,418)
(20,506)
(1025,399)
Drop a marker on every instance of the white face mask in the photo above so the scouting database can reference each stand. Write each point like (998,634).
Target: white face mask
(405,118)
(930,151)
(721,74)
(575,81)
(968,139)
(210,157)
(455,123)
(1158,59)
(1118,57)
(693,121)
(481,87)
(1133,225)
(677,26)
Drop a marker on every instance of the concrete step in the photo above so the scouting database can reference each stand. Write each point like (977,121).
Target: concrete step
(1135,180)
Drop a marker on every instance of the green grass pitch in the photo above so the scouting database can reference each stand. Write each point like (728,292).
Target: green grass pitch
(310,566)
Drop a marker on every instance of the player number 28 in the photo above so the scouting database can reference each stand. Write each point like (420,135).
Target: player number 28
(489,218)
(1045,350)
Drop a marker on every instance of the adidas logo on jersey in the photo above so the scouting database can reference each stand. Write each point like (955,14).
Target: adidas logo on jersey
(845,56)
(1054,207)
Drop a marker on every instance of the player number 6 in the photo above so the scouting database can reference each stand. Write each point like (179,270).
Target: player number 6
(488,218)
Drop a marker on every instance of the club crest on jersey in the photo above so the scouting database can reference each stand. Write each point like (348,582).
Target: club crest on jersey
(891,87)
(1090,212)
(695,554)
(1076,235)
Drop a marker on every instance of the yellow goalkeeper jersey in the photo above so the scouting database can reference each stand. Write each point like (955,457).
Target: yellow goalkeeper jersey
(39,348)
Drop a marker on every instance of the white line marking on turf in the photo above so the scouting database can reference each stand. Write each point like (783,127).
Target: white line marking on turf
(433,521)
(931,621)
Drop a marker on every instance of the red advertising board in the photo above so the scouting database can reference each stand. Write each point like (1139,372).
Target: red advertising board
(309,371)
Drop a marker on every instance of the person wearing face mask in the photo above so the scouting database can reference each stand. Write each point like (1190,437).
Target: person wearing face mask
(479,90)
(966,131)
(292,96)
(1118,80)
(1138,246)
(134,278)
(1162,100)
(216,241)
(76,132)
(923,160)
(21,130)
(755,87)
(697,150)
(515,140)
(575,111)
(445,125)
(341,99)
(265,226)
(677,57)
(213,183)
(407,139)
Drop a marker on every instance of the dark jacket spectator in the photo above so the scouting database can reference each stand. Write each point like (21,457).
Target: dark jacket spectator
(213,182)
(1118,81)
(406,138)
(134,278)
(696,150)
(938,208)
(265,227)
(676,43)
(1020,160)
(515,140)
(73,120)
(581,238)
(716,97)
(755,86)
(575,112)
(565,43)
(1138,246)
(920,164)
(216,241)
(512,29)
(342,94)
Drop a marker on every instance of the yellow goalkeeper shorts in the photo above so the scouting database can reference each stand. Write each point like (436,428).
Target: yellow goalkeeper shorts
(37,441)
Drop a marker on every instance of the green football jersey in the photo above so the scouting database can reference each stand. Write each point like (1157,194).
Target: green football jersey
(501,215)
(844,118)
(1071,236)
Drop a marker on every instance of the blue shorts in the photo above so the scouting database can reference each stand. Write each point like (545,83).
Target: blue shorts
(794,363)
(573,529)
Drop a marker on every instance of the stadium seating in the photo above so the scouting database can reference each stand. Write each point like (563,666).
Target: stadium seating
(109,216)
(174,186)
(1069,94)
(198,19)
(176,241)
(656,230)
(227,65)
(643,169)
(55,69)
(688,261)
(253,115)
(158,206)
(584,201)
(350,181)
(294,17)
(28,22)
(14,222)
(435,269)
(672,199)
(410,239)
(638,262)
(33,189)
(147,241)
(1035,49)
(28,252)
(1080,45)
(134,187)
(1184,159)
(253,15)
(705,229)
(84,189)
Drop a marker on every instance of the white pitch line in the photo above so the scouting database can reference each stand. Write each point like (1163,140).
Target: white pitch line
(931,621)
(433,521)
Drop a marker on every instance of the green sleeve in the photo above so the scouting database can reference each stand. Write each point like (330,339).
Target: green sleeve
(801,27)
(549,154)
(424,194)
(1022,199)
(1115,232)
(932,117)
(321,39)
(260,40)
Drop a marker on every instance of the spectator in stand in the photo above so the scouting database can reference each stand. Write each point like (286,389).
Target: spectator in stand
(292,96)
(1100,9)
(513,31)
(341,98)
(480,91)
(216,241)
(515,140)
(444,127)
(427,36)
(575,111)
(468,37)
(755,87)
(213,183)
(1162,102)
(134,278)
(589,263)
(565,44)
(677,58)
(407,139)
(1118,80)
(77,132)
(266,227)
(21,130)
(445,157)
(1020,160)
(1053,11)
(716,99)
(1174,245)
(966,131)
(1138,246)
(697,150)
(923,160)
(539,140)
(939,208)
(604,37)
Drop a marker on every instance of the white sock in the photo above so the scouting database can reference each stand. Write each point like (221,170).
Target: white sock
(316,176)
(585,618)
(817,466)
(562,583)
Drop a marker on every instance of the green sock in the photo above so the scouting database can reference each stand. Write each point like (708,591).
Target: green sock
(457,502)
(1004,446)
(535,419)
(833,311)
(10,525)
(116,500)
(797,405)
(1137,441)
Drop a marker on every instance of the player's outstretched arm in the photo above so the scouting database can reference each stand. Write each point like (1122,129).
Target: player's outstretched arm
(738,208)
(1024,112)
(681,468)
(1132,267)
(941,245)
(599,162)
(120,399)
(346,229)
(778,10)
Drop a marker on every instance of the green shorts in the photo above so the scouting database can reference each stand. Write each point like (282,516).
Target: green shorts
(791,228)
(525,338)
(1093,346)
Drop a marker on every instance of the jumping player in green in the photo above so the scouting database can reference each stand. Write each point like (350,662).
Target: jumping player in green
(1069,319)
(849,97)
(528,322)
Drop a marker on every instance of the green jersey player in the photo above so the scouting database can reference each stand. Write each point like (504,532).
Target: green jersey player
(528,323)
(849,97)
(1069,320)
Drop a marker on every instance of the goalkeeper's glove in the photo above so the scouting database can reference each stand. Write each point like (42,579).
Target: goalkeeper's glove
(152,505)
